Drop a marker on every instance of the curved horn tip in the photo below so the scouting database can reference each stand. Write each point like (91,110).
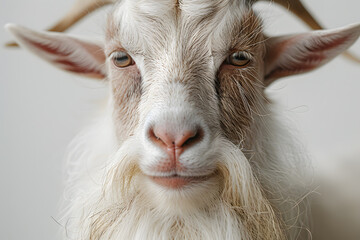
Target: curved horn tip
(351,57)
(11,44)
(10,27)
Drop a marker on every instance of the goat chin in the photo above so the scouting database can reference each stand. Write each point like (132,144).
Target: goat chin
(112,199)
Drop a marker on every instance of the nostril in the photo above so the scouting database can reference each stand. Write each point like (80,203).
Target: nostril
(157,138)
(190,138)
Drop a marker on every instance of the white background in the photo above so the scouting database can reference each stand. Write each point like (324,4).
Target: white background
(42,108)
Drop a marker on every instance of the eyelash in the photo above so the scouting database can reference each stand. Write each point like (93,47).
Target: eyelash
(239,59)
(121,59)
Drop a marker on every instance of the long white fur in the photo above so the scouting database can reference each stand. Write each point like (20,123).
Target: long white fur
(98,178)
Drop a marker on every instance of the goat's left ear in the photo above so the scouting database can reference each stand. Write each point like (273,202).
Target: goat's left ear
(290,55)
(65,52)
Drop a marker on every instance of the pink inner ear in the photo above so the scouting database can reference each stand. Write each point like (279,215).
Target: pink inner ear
(47,48)
(328,45)
(62,57)
(72,66)
(304,63)
(96,51)
(305,58)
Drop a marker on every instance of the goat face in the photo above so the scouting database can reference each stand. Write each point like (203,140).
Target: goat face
(195,78)
(187,97)
(183,93)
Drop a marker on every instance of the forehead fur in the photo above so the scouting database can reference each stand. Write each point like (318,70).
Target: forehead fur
(148,27)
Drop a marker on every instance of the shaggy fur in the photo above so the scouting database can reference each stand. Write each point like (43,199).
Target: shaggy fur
(232,204)
(257,179)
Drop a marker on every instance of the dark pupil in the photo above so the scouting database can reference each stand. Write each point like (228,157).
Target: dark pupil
(239,57)
(121,58)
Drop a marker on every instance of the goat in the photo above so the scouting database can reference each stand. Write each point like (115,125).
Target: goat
(192,146)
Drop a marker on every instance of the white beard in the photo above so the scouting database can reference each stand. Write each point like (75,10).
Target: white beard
(115,201)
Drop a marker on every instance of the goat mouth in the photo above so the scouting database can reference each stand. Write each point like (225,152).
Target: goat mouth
(176,181)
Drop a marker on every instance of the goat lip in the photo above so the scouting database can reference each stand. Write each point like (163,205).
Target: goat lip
(177,182)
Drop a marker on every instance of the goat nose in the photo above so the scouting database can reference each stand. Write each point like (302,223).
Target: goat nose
(175,142)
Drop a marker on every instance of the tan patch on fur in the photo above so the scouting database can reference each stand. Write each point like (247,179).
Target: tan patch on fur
(125,87)
(241,90)
(254,210)
(119,181)
(126,92)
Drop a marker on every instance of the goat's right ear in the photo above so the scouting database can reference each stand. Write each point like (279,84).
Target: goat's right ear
(65,52)
(300,53)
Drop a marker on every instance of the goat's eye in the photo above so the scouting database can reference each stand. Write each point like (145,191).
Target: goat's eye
(239,59)
(121,59)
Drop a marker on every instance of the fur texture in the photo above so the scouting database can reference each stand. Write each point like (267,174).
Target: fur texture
(243,199)
(255,176)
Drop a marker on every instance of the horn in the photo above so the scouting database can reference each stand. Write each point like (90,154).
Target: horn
(79,10)
(296,7)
